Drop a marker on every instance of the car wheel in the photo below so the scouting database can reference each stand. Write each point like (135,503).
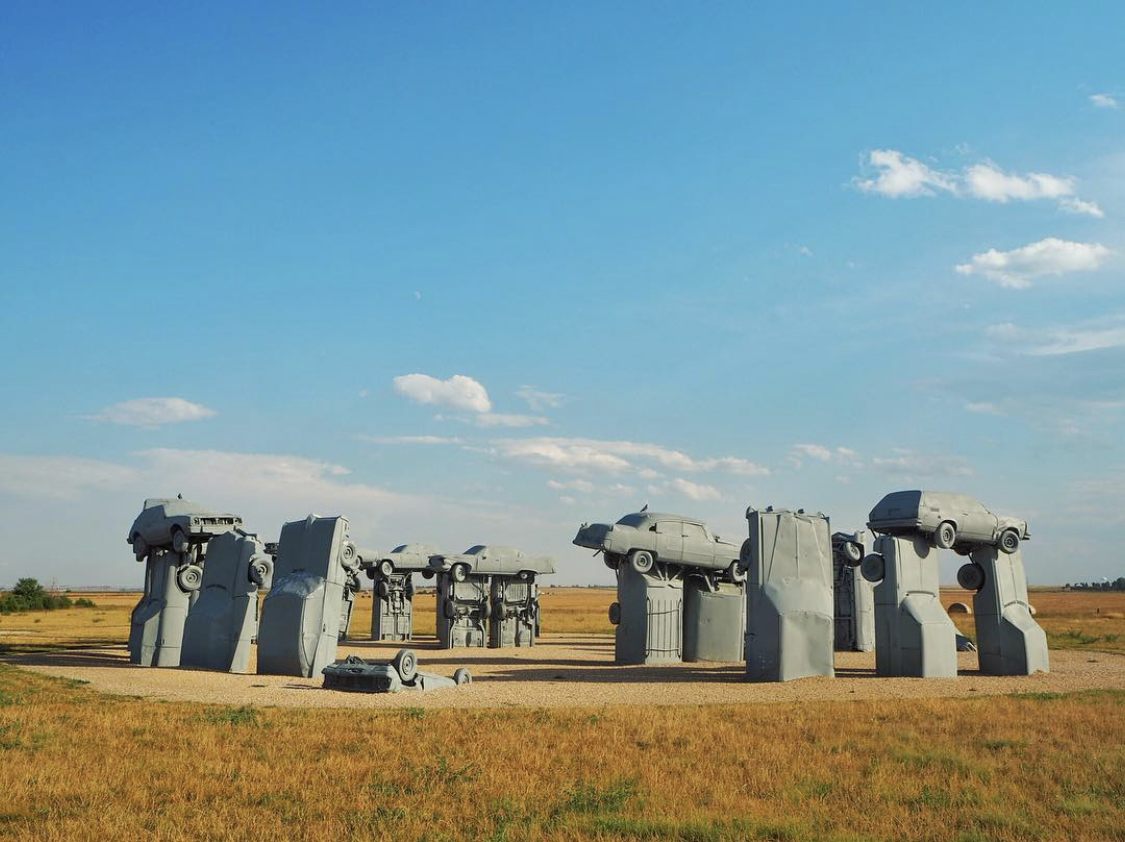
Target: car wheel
(525,575)
(180,541)
(459,572)
(386,567)
(945,535)
(612,560)
(189,577)
(873,568)
(736,573)
(261,569)
(486,609)
(615,613)
(140,547)
(641,560)
(382,588)
(405,663)
(462,676)
(963,550)
(428,573)
(500,611)
(448,608)
(1009,541)
(971,576)
(349,555)
(853,553)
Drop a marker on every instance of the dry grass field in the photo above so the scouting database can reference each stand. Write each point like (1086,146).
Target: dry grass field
(78,764)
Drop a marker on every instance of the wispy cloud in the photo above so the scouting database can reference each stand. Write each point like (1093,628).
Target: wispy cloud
(898,176)
(1015,269)
(822,453)
(538,400)
(1103,101)
(983,408)
(459,391)
(686,488)
(152,412)
(921,465)
(410,439)
(1080,340)
(500,419)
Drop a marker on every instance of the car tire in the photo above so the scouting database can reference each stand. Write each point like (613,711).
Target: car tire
(500,611)
(386,567)
(641,561)
(873,568)
(462,676)
(189,577)
(525,575)
(448,609)
(615,613)
(428,573)
(853,553)
(612,560)
(486,609)
(180,542)
(945,536)
(140,547)
(459,572)
(971,576)
(405,663)
(382,588)
(736,573)
(1009,541)
(261,570)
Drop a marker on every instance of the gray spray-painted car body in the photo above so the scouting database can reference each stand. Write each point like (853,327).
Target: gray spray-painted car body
(1009,641)
(492,560)
(714,620)
(789,609)
(161,518)
(907,513)
(913,634)
(649,616)
(392,610)
(405,558)
(853,596)
(463,610)
(156,625)
(515,612)
(356,675)
(670,539)
(307,610)
(223,622)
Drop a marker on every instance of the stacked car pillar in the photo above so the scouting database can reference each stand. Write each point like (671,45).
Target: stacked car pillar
(464,608)
(392,610)
(852,594)
(1009,641)
(515,611)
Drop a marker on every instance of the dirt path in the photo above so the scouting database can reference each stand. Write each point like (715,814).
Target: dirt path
(564,671)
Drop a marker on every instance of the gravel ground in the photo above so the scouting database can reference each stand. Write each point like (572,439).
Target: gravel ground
(564,671)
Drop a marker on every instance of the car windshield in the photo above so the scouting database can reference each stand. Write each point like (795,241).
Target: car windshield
(399,548)
(475,550)
(634,520)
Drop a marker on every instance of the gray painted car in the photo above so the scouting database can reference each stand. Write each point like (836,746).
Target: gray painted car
(951,521)
(647,538)
(492,560)
(356,674)
(176,523)
(405,558)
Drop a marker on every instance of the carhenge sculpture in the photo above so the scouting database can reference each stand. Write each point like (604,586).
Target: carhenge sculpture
(657,557)
(789,608)
(169,536)
(488,595)
(852,594)
(918,635)
(392,610)
(308,609)
(223,623)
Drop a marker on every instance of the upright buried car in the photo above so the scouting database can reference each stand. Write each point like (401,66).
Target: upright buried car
(953,521)
(492,560)
(177,524)
(646,539)
(405,558)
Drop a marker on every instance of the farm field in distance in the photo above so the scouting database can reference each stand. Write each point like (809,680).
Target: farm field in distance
(76,763)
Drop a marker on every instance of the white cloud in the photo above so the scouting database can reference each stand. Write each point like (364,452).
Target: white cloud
(1103,101)
(152,412)
(499,419)
(902,177)
(62,477)
(1081,207)
(411,439)
(821,453)
(691,490)
(983,408)
(585,486)
(1005,330)
(1075,341)
(911,464)
(813,451)
(539,400)
(1052,256)
(458,391)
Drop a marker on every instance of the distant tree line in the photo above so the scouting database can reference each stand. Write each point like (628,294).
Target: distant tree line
(29,595)
(1117,584)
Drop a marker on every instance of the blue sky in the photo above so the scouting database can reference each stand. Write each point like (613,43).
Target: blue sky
(694,256)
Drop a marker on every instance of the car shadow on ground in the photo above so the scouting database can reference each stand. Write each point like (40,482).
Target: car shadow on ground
(101,656)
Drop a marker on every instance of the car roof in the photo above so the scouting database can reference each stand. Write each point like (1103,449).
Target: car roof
(653,517)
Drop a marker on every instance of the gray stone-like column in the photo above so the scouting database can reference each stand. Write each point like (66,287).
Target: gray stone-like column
(156,626)
(515,612)
(649,616)
(307,611)
(392,612)
(789,610)
(223,623)
(853,596)
(463,609)
(1009,641)
(714,620)
(914,635)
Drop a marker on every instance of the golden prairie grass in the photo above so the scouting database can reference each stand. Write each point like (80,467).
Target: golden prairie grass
(75,764)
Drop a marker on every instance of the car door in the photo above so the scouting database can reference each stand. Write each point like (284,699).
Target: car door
(979,523)
(699,549)
(669,540)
